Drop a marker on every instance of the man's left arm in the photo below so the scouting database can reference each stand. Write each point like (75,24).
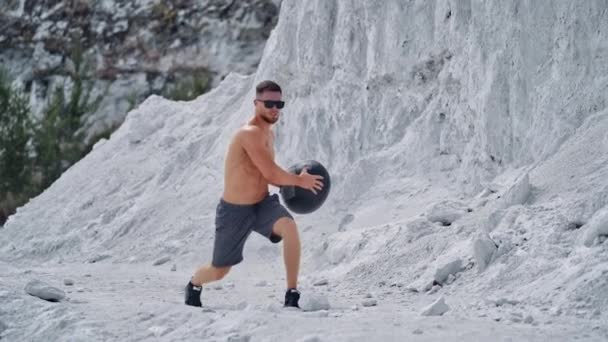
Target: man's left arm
(272,154)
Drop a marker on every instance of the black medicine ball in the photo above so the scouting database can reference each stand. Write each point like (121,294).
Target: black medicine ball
(304,201)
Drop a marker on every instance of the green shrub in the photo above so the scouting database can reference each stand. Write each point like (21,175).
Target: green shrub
(16,130)
(59,137)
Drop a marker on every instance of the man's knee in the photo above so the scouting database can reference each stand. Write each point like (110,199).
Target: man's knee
(220,272)
(285,227)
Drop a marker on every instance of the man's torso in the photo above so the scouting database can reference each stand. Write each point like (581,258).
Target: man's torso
(243,182)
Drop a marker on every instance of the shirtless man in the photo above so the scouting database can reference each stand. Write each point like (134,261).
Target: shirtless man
(246,204)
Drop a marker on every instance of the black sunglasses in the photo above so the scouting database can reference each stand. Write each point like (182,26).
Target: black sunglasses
(269,104)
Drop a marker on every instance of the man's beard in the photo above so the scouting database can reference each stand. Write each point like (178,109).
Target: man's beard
(270,120)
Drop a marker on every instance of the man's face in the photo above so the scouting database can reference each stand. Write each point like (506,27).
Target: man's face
(266,99)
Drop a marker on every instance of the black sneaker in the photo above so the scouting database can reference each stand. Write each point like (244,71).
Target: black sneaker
(274,238)
(193,295)
(291,298)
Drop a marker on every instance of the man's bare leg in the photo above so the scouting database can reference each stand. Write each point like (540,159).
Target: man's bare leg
(208,273)
(287,229)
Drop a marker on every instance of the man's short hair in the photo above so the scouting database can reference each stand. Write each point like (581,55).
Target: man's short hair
(267,86)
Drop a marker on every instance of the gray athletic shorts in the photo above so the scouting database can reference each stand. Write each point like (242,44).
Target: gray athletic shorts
(234,223)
